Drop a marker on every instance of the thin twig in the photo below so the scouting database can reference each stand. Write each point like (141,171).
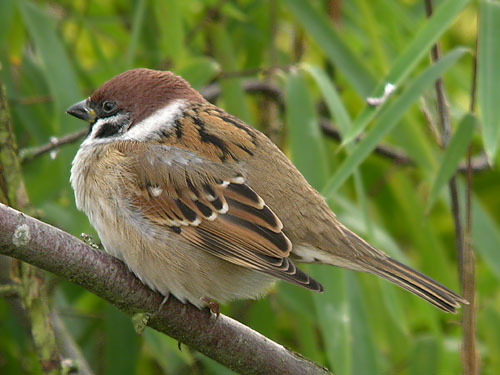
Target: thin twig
(223,339)
(397,157)
(424,108)
(269,108)
(31,153)
(445,128)
(68,346)
(465,257)
(251,72)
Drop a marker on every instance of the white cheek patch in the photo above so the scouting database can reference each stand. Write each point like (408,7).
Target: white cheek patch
(151,127)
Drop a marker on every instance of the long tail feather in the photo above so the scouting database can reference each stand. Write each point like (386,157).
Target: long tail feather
(374,261)
(418,284)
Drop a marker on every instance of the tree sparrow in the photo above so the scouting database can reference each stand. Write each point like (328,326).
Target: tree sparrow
(202,206)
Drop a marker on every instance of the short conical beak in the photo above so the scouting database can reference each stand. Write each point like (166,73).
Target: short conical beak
(82,111)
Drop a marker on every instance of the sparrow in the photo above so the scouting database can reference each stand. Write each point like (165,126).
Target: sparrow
(201,206)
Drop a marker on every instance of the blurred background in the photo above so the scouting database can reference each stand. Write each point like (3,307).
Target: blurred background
(299,71)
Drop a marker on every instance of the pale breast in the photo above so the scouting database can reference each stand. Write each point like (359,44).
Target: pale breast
(157,256)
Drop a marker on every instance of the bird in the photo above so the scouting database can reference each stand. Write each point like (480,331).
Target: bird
(204,207)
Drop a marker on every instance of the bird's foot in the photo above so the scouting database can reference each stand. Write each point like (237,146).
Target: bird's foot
(212,306)
(90,241)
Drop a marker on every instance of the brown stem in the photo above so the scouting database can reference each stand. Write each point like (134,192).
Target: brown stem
(251,72)
(224,339)
(445,127)
(470,355)
(465,256)
(441,102)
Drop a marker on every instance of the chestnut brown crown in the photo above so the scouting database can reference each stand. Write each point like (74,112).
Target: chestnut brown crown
(140,92)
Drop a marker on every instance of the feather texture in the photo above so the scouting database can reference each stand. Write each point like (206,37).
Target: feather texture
(213,209)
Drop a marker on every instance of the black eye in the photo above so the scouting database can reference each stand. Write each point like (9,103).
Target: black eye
(108,107)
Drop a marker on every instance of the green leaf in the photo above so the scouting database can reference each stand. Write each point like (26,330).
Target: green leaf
(232,92)
(323,33)
(340,309)
(489,75)
(389,118)
(334,316)
(425,357)
(6,18)
(486,236)
(364,358)
(452,156)
(489,323)
(137,22)
(331,97)
(338,111)
(199,71)
(165,351)
(417,49)
(121,341)
(306,142)
(169,18)
(59,73)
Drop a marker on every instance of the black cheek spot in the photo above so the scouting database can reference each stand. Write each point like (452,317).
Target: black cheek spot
(108,130)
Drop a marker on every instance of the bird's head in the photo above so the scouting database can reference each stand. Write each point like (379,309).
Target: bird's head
(135,105)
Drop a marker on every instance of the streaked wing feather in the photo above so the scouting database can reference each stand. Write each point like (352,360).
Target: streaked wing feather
(217,212)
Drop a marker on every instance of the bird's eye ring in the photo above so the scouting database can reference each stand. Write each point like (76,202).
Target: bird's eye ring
(108,107)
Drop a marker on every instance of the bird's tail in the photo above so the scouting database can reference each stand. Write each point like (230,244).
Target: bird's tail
(376,262)
(417,283)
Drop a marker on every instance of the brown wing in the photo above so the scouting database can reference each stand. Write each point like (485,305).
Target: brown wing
(210,205)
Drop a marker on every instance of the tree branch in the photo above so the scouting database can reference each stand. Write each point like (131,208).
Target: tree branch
(69,349)
(223,339)
(54,143)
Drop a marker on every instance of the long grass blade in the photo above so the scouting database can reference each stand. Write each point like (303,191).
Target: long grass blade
(406,63)
(389,118)
(489,75)
(339,53)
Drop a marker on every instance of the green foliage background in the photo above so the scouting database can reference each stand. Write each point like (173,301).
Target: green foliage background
(335,54)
